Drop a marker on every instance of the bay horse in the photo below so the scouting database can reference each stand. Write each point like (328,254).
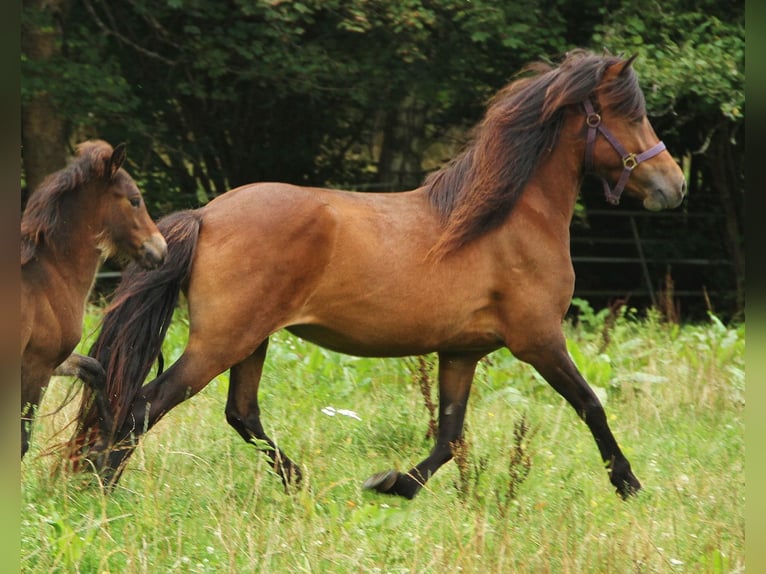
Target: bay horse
(78,216)
(475,259)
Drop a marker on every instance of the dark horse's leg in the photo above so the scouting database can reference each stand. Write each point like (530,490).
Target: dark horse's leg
(87,369)
(455,377)
(185,378)
(33,382)
(556,366)
(243,413)
(90,372)
(28,411)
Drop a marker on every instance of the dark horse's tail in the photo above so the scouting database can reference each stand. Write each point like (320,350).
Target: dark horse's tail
(135,324)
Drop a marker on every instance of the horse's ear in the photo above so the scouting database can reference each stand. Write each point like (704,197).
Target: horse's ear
(618,69)
(626,64)
(118,157)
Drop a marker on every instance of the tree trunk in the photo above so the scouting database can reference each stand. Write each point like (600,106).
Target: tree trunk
(399,166)
(43,136)
(726,182)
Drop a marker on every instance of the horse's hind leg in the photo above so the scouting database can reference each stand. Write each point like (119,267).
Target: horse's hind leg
(555,365)
(455,378)
(184,379)
(243,413)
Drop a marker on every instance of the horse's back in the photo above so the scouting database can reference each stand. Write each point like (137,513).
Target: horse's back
(275,221)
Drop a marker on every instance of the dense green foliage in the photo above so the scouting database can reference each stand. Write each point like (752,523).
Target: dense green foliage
(214,95)
(196,498)
(219,95)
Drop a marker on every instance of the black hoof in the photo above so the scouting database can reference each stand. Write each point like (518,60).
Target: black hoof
(382,481)
(627,485)
(292,478)
(107,462)
(628,489)
(106,476)
(393,482)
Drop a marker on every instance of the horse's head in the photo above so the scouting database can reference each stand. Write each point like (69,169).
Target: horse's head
(128,230)
(622,147)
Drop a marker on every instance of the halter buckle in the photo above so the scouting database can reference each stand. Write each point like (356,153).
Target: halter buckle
(593,120)
(630,161)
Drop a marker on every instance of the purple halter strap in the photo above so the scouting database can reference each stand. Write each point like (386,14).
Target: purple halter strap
(629,160)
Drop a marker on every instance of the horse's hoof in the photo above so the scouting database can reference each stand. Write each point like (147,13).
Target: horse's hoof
(382,481)
(627,490)
(623,479)
(292,478)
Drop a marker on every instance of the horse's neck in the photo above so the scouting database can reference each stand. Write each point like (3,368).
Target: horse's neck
(72,250)
(552,191)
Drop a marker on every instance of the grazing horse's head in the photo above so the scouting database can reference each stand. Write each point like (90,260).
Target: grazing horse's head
(621,146)
(127,229)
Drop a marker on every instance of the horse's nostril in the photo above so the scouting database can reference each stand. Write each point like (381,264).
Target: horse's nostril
(154,253)
(158,257)
(683,188)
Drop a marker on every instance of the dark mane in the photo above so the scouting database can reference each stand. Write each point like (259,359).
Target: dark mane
(478,189)
(41,217)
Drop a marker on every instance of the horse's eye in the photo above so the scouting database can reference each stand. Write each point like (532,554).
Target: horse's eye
(135,201)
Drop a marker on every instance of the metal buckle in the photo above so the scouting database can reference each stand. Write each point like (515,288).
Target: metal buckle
(593,120)
(630,161)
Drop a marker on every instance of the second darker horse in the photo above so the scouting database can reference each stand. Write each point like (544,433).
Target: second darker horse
(474,260)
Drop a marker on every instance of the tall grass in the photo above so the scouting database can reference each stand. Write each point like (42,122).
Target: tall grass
(196,498)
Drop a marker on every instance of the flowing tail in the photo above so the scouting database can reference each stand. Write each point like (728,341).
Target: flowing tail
(134,327)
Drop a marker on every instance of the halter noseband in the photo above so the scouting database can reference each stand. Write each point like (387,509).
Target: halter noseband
(629,160)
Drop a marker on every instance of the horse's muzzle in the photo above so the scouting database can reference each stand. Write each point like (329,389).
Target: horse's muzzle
(666,197)
(153,252)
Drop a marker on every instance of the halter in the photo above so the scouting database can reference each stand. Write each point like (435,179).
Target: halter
(629,160)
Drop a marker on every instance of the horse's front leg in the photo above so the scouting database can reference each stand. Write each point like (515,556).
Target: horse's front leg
(553,362)
(455,378)
(87,369)
(34,380)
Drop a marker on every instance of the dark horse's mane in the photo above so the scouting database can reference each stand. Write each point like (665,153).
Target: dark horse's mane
(479,188)
(41,218)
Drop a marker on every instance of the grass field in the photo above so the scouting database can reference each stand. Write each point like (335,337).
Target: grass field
(529,494)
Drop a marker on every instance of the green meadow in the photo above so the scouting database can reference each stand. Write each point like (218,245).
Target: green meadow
(526,493)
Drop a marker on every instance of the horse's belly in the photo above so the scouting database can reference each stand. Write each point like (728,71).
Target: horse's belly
(383,341)
(349,344)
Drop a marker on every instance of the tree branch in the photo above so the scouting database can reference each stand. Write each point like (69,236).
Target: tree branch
(124,39)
